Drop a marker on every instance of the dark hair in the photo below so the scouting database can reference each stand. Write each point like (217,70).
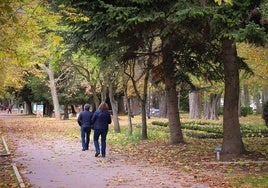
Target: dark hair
(87,106)
(103,106)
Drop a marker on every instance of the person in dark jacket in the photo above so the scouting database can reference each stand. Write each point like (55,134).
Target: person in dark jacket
(101,120)
(84,121)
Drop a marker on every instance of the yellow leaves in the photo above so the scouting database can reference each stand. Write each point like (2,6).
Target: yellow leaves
(118,180)
(7,177)
(220,2)
(54,39)
(85,18)
(23,43)
(18,41)
(186,168)
(73,15)
(257,59)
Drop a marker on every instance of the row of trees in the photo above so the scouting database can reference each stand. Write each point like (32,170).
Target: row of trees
(182,38)
(106,45)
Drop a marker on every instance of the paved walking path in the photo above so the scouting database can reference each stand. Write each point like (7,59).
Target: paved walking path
(56,164)
(60,163)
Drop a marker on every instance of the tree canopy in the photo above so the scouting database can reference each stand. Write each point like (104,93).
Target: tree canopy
(184,40)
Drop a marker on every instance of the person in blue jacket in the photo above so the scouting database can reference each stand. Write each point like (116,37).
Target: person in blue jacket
(84,121)
(101,120)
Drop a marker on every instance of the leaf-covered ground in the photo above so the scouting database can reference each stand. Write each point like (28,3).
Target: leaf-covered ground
(195,158)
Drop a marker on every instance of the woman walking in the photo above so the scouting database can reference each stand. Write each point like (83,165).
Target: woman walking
(101,120)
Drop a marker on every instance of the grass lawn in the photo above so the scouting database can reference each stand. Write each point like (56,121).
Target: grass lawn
(197,156)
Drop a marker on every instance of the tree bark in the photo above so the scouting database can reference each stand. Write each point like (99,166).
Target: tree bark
(256,99)
(28,109)
(246,99)
(66,113)
(211,107)
(162,104)
(130,130)
(48,109)
(194,105)
(232,145)
(264,94)
(264,97)
(121,105)
(128,108)
(172,97)
(135,108)
(143,106)
(73,110)
(95,97)
(114,105)
(52,86)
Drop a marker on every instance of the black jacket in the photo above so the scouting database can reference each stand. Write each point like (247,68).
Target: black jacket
(101,119)
(84,118)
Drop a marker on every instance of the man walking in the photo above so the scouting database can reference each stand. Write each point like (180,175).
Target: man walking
(84,121)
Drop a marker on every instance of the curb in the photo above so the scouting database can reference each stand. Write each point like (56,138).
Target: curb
(22,185)
(236,162)
(6,147)
(16,171)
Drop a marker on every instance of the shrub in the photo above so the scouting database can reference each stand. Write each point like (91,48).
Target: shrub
(220,112)
(202,135)
(246,110)
(160,123)
(201,129)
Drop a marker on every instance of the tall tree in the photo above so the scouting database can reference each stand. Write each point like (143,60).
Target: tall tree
(50,48)
(129,26)
(235,22)
(256,57)
(52,85)
(17,42)
(182,31)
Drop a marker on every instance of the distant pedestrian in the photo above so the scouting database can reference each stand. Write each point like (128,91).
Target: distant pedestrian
(9,109)
(21,109)
(101,120)
(84,121)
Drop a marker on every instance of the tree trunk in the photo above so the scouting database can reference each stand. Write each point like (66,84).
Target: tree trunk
(73,110)
(144,135)
(66,113)
(162,104)
(256,100)
(143,106)
(264,94)
(172,97)
(48,109)
(121,106)
(194,105)
(28,108)
(95,97)
(125,82)
(245,100)
(232,145)
(114,105)
(130,130)
(52,86)
(135,106)
(211,107)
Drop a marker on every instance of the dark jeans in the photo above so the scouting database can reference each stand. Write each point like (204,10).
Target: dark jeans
(85,136)
(103,134)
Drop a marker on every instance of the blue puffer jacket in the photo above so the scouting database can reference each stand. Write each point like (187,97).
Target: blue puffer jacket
(101,119)
(84,118)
